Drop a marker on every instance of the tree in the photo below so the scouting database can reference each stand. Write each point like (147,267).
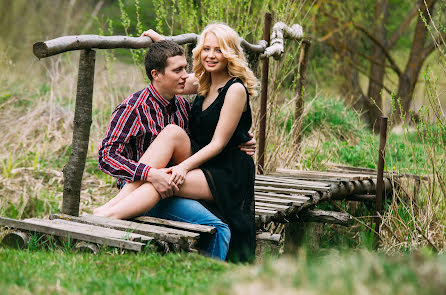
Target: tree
(342,22)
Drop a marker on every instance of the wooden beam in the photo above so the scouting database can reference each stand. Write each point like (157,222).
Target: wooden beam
(76,233)
(171,235)
(177,224)
(86,42)
(74,169)
(323,216)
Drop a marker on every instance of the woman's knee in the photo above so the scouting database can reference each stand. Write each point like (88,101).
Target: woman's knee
(174,130)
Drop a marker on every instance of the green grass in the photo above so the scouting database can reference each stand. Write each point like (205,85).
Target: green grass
(322,272)
(55,272)
(345,272)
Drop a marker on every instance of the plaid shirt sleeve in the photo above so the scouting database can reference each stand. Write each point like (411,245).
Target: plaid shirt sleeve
(124,124)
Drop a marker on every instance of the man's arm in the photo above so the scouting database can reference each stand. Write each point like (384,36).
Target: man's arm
(249,147)
(123,125)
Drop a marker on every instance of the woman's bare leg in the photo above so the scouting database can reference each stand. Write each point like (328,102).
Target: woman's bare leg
(171,145)
(195,187)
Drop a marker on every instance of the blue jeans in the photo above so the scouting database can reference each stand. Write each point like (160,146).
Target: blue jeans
(191,211)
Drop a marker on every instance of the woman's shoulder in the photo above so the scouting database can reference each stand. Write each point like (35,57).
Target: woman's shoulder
(238,86)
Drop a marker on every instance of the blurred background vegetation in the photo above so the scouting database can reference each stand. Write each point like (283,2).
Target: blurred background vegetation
(362,52)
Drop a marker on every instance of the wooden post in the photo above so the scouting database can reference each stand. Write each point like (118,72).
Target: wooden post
(263,97)
(74,169)
(380,180)
(300,102)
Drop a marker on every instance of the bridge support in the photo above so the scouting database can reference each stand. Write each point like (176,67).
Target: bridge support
(74,169)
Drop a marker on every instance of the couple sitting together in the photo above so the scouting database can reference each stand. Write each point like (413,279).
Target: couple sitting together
(191,164)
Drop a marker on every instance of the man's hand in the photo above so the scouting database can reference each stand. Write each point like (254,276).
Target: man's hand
(152,35)
(249,147)
(160,180)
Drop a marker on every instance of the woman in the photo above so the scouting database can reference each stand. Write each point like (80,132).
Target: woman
(213,168)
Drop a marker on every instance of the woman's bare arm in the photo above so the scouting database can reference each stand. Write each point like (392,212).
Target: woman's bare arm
(230,115)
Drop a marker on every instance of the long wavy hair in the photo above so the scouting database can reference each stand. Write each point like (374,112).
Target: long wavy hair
(230,47)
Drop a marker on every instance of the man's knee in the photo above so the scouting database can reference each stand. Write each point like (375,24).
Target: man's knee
(223,231)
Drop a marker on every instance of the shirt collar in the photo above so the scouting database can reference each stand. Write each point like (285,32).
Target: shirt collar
(164,102)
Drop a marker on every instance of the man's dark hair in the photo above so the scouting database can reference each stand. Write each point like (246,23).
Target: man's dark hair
(156,57)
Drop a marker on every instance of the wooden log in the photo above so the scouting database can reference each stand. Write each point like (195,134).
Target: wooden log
(380,186)
(86,247)
(74,169)
(177,224)
(279,33)
(323,216)
(77,233)
(266,236)
(15,239)
(264,96)
(86,42)
(300,96)
(184,238)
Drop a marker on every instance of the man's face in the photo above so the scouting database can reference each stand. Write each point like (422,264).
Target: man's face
(173,80)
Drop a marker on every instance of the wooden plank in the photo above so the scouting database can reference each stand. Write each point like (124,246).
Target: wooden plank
(276,201)
(177,224)
(288,179)
(161,233)
(287,185)
(272,206)
(265,212)
(318,174)
(295,198)
(93,229)
(284,190)
(78,234)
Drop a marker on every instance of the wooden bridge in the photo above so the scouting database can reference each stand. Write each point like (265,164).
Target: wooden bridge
(284,197)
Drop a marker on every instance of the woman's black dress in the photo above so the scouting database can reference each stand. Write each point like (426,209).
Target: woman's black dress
(230,174)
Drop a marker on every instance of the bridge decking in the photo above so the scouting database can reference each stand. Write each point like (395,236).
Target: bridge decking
(285,196)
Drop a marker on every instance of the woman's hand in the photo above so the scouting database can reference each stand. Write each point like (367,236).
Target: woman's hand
(152,35)
(178,174)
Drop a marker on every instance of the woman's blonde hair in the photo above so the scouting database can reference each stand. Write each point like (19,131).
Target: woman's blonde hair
(230,47)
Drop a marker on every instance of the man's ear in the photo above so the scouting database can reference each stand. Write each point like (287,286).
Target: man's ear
(155,74)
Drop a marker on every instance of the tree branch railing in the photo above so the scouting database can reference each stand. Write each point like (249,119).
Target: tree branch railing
(73,170)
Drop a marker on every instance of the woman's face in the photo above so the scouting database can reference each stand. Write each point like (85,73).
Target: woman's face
(211,56)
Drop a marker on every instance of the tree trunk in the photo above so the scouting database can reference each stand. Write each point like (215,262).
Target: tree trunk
(408,79)
(377,68)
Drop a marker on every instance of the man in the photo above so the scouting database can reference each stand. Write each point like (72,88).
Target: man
(135,124)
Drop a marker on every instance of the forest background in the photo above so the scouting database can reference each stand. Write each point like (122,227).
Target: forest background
(363,53)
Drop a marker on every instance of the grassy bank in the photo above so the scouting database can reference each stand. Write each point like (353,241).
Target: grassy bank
(57,272)
(332,272)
